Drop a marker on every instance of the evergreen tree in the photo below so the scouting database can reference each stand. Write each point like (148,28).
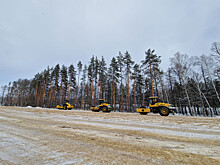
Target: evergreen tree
(128,64)
(151,63)
(96,69)
(91,69)
(64,75)
(56,77)
(102,77)
(63,84)
(84,75)
(46,82)
(114,80)
(72,81)
(120,62)
(135,74)
(140,87)
(51,88)
(79,66)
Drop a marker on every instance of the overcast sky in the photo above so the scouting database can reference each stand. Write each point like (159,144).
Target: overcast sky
(35,34)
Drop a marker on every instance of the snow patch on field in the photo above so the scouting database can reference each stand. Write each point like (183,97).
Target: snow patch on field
(34,107)
(153,130)
(71,162)
(29,107)
(1,117)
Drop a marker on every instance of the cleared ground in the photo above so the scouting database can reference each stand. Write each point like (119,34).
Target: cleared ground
(49,136)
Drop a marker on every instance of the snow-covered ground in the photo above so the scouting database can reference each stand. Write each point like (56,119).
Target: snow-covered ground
(49,136)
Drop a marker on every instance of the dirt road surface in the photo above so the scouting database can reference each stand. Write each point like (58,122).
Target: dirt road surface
(49,136)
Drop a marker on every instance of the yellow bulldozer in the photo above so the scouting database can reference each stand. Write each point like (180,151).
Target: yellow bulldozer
(66,105)
(103,106)
(157,106)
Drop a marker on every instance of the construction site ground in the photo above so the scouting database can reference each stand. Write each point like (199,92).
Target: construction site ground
(49,136)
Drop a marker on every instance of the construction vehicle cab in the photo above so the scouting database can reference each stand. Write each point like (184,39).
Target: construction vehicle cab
(103,106)
(66,105)
(157,106)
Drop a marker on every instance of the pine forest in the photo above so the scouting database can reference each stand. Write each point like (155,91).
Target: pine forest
(191,83)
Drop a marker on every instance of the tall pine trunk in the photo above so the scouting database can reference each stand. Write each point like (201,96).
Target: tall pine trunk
(95,100)
(121,101)
(135,94)
(82,103)
(129,108)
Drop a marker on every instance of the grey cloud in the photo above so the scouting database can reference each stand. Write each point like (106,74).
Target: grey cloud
(38,33)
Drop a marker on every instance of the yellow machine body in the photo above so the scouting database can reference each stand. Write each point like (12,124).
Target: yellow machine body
(157,106)
(143,110)
(66,105)
(157,103)
(103,106)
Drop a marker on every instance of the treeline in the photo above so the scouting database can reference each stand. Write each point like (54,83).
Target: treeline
(192,84)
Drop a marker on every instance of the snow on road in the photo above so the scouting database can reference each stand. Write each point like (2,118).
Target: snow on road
(49,136)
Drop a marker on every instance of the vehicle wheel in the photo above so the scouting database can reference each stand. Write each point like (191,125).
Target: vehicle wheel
(164,111)
(143,113)
(69,108)
(104,109)
(65,107)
